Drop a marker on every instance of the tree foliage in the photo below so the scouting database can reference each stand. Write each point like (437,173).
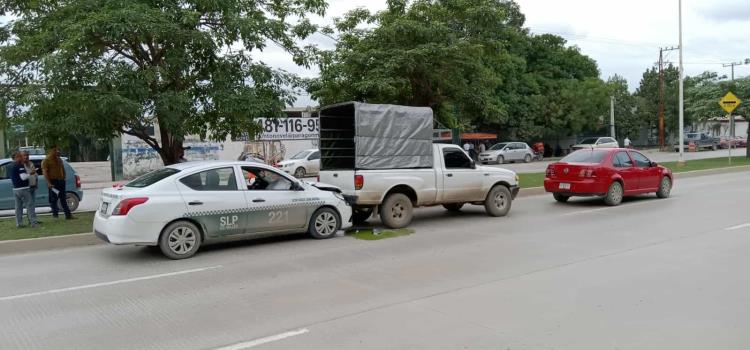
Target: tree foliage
(102,67)
(472,61)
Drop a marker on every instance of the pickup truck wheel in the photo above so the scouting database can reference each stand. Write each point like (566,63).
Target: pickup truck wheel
(665,187)
(500,160)
(453,206)
(560,197)
(361,215)
(396,211)
(614,194)
(498,201)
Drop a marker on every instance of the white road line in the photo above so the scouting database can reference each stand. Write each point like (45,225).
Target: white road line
(261,341)
(104,284)
(737,227)
(586,211)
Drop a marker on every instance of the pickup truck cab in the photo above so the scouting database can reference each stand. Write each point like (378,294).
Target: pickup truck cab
(701,141)
(453,181)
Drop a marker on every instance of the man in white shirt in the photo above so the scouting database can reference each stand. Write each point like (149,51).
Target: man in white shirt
(467,146)
(626,142)
(482,147)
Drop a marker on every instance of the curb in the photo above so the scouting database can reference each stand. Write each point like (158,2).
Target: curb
(87,239)
(47,243)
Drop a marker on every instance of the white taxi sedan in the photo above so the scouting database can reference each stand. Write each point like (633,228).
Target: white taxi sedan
(183,206)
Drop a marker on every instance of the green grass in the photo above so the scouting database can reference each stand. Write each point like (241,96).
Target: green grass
(49,227)
(705,164)
(529,180)
(376,234)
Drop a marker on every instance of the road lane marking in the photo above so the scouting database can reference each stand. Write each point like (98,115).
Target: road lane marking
(737,227)
(104,284)
(261,341)
(586,211)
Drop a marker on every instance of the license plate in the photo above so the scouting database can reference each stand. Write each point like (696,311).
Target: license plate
(104,208)
(564,186)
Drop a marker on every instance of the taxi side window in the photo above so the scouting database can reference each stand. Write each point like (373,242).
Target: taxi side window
(221,179)
(260,179)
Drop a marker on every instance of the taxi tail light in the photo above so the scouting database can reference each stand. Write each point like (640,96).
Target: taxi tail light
(125,205)
(317,178)
(359,182)
(78,181)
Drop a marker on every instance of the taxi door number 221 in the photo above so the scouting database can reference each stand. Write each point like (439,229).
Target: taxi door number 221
(278,216)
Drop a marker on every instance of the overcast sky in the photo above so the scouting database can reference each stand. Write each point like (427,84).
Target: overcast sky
(622,36)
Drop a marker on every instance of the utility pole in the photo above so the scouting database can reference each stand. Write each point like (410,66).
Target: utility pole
(612,116)
(662,144)
(681,160)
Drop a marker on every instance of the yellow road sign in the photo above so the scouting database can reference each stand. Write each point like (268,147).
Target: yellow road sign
(729,102)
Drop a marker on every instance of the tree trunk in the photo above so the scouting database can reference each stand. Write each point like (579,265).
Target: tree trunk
(171,147)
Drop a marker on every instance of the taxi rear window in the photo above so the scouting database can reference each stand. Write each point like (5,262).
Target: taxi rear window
(585,156)
(152,177)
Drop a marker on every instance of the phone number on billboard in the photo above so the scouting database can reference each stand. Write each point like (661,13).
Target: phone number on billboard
(290,125)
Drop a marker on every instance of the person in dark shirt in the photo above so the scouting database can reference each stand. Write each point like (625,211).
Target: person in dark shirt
(22,191)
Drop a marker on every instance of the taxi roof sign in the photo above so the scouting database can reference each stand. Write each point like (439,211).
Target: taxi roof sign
(729,102)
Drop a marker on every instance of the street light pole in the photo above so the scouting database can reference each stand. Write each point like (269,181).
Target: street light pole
(681,160)
(612,116)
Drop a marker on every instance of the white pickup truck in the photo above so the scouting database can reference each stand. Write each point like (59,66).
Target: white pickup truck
(453,181)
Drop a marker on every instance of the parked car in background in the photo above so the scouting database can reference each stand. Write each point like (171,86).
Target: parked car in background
(609,173)
(507,152)
(302,164)
(738,141)
(702,141)
(74,193)
(596,142)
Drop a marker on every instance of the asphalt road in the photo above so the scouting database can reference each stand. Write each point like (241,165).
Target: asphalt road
(540,167)
(650,274)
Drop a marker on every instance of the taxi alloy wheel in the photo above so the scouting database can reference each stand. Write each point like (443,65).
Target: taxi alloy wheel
(324,223)
(299,173)
(180,240)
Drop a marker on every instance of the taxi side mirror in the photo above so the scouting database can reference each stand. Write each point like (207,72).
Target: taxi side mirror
(296,186)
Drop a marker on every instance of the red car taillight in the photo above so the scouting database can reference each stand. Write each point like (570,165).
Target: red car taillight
(359,182)
(78,181)
(550,171)
(125,205)
(588,173)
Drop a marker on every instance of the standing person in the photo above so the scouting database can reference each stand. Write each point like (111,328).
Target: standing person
(467,146)
(21,191)
(33,178)
(482,147)
(53,170)
(626,142)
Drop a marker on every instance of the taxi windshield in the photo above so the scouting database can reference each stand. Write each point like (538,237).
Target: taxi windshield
(152,178)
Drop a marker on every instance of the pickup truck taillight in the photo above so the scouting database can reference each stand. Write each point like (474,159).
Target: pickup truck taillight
(125,205)
(359,182)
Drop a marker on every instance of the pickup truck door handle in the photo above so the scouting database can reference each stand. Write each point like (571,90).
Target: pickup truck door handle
(258,200)
(449,175)
(486,174)
(195,203)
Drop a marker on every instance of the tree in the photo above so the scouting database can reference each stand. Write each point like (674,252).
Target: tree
(648,99)
(627,121)
(439,54)
(472,61)
(103,67)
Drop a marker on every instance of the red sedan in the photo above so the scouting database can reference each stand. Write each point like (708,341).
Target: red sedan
(610,173)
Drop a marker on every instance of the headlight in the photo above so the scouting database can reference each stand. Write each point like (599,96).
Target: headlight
(518,180)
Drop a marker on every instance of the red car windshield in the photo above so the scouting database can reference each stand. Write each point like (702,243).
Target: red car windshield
(586,156)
